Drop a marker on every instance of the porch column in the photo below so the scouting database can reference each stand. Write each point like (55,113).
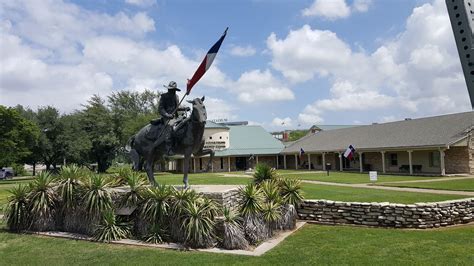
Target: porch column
(194,165)
(360,163)
(441,162)
(228,163)
(212,165)
(277,162)
(309,161)
(284,161)
(341,167)
(410,161)
(256,159)
(383,161)
(324,161)
(296,161)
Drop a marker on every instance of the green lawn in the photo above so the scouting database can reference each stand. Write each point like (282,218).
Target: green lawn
(313,244)
(461,184)
(315,191)
(348,178)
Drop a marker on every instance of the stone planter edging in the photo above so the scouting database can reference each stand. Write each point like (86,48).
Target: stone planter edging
(384,214)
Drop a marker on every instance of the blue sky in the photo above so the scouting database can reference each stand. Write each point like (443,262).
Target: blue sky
(284,64)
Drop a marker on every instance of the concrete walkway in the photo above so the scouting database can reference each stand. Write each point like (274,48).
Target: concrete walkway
(404,189)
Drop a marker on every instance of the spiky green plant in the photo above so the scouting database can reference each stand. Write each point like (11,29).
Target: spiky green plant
(233,236)
(198,224)
(109,229)
(134,196)
(250,207)
(96,198)
(291,191)
(42,200)
(271,191)
(251,199)
(120,178)
(16,212)
(264,172)
(69,182)
(287,220)
(179,201)
(156,234)
(156,204)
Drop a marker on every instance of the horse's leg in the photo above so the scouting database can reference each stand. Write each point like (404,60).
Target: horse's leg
(150,161)
(187,157)
(140,164)
(206,152)
(135,159)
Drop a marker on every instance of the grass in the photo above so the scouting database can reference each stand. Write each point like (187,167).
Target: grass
(311,245)
(316,191)
(348,178)
(460,184)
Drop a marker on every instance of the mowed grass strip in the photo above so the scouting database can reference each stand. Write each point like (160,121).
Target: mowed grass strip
(311,245)
(316,191)
(349,178)
(459,184)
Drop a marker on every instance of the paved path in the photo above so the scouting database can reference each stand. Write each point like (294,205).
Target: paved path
(404,189)
(429,180)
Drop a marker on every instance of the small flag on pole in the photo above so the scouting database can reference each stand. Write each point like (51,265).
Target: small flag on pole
(349,153)
(206,63)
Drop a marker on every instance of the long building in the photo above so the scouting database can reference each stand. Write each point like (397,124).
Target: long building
(437,145)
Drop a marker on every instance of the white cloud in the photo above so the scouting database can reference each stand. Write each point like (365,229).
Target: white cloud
(329,9)
(243,50)
(335,9)
(361,5)
(418,71)
(219,109)
(282,122)
(56,53)
(257,86)
(141,3)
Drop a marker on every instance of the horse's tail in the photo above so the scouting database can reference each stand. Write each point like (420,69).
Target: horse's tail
(130,143)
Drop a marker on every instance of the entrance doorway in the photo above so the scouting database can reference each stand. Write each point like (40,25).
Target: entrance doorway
(241,163)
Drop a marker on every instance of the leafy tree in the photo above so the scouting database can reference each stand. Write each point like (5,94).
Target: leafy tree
(297,134)
(34,156)
(76,142)
(97,122)
(17,136)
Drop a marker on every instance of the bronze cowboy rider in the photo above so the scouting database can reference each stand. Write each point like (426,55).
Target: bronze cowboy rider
(168,107)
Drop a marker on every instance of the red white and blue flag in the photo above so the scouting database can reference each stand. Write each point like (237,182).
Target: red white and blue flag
(206,63)
(349,153)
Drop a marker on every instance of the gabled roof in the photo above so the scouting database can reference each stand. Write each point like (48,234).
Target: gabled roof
(246,140)
(332,127)
(210,124)
(438,131)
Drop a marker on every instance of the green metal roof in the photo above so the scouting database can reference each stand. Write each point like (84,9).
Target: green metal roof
(247,140)
(210,124)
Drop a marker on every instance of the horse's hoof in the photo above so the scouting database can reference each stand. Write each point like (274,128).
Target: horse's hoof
(186,186)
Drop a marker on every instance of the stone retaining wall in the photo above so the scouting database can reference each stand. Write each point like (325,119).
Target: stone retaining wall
(419,215)
(229,198)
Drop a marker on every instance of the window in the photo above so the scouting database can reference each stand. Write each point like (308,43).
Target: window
(434,158)
(222,163)
(393,159)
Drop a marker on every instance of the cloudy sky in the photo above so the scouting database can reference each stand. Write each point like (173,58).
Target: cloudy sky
(284,64)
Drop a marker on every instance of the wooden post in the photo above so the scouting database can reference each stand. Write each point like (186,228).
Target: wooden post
(277,162)
(324,161)
(410,163)
(284,161)
(361,165)
(228,163)
(383,161)
(441,162)
(341,166)
(194,164)
(296,161)
(309,161)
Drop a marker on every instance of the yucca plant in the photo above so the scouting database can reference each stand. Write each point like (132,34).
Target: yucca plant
(199,224)
(156,234)
(271,191)
(134,196)
(250,207)
(233,236)
(109,229)
(264,172)
(16,212)
(69,182)
(120,178)
(42,200)
(96,199)
(271,213)
(291,191)
(179,201)
(154,209)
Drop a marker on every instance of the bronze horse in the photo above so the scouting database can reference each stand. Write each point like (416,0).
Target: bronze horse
(188,139)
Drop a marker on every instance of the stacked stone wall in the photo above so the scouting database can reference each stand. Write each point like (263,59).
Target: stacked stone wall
(419,215)
(229,198)
(471,153)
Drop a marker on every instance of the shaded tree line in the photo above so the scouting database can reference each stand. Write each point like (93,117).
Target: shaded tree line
(95,134)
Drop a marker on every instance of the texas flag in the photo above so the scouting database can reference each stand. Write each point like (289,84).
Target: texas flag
(206,63)
(349,154)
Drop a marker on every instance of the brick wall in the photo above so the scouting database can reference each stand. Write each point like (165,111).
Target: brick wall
(457,160)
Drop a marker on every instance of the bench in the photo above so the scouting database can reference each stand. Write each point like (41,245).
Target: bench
(406,168)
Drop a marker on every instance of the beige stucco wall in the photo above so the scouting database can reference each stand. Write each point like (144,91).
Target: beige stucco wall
(216,138)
